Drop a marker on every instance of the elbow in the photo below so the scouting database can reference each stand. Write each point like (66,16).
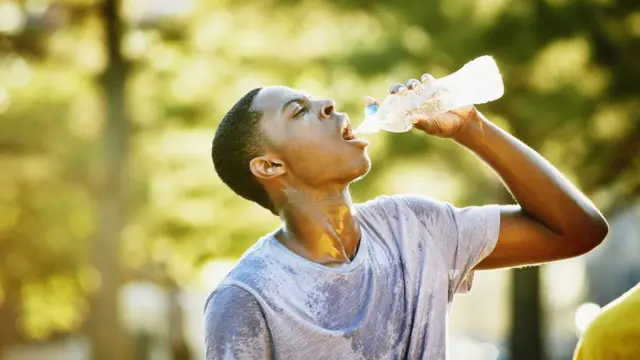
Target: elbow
(600,229)
(591,232)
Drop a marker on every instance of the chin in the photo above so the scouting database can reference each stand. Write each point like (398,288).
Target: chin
(344,170)
(361,169)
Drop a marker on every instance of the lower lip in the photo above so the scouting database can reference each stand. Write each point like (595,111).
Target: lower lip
(361,143)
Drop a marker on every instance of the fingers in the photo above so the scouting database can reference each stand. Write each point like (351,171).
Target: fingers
(464,112)
(411,84)
(442,125)
(427,78)
(368,100)
(397,88)
(428,125)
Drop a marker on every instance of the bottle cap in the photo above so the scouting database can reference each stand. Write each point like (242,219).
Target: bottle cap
(370,109)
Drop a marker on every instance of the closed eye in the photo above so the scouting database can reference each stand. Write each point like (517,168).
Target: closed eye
(303,110)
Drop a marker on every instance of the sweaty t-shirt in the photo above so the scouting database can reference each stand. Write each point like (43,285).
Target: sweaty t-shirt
(390,302)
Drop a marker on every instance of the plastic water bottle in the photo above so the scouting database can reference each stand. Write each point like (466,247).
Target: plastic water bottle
(477,82)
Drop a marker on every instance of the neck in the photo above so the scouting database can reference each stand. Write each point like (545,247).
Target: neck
(320,225)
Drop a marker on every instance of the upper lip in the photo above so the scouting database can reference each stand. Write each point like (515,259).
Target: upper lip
(345,130)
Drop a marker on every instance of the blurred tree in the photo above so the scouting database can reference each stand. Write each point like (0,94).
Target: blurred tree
(105,327)
(45,203)
(570,70)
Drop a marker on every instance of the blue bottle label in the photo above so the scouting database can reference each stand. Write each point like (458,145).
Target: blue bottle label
(370,109)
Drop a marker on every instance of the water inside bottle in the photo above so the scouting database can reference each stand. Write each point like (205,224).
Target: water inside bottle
(477,82)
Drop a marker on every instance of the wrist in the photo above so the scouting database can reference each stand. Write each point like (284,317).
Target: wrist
(473,129)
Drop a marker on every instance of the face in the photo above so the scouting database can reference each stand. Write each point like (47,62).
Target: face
(307,139)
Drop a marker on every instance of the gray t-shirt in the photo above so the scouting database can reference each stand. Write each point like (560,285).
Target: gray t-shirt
(390,302)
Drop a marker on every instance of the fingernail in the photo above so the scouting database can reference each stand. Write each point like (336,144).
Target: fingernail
(368,100)
(395,88)
(427,78)
(412,83)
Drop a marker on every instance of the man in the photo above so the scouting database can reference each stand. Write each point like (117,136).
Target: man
(615,333)
(373,280)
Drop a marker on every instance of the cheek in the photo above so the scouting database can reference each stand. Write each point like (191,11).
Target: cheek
(304,155)
(320,154)
(314,145)
(318,161)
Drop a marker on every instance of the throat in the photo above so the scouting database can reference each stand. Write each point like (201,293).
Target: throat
(329,249)
(355,252)
(320,224)
(322,232)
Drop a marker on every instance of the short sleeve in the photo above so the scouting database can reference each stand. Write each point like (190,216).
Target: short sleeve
(465,235)
(235,326)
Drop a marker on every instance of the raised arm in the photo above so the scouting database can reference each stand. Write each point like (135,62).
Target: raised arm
(554,219)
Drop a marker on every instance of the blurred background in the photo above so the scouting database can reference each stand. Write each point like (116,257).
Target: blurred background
(114,226)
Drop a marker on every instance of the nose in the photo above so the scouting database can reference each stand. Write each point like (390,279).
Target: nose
(327,109)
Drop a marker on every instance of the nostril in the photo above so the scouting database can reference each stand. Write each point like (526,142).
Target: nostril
(327,110)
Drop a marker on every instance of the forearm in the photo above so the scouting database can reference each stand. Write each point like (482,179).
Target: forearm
(540,189)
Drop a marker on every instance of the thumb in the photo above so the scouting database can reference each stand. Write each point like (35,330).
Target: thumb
(424,123)
(368,100)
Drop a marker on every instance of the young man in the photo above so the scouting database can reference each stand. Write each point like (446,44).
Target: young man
(370,281)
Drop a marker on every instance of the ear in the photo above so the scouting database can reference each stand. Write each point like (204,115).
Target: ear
(266,167)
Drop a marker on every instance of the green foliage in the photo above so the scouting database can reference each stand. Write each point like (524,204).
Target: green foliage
(570,70)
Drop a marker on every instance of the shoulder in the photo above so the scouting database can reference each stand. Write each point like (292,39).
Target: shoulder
(231,305)
(228,298)
(403,202)
(234,325)
(413,206)
(237,293)
(251,266)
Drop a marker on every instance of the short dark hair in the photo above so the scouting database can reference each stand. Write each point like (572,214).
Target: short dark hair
(236,142)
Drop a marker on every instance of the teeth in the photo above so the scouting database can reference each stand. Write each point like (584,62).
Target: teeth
(346,131)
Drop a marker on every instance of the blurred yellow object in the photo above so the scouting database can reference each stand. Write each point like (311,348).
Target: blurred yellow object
(615,333)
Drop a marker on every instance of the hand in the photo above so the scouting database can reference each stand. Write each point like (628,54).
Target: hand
(445,125)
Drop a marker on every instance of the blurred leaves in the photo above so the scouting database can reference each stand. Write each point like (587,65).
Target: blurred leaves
(570,70)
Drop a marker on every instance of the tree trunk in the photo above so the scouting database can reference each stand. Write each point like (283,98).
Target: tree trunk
(526,341)
(9,312)
(179,347)
(105,328)
(525,338)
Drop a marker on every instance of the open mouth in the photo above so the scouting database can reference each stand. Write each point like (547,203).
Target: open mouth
(350,138)
(347,134)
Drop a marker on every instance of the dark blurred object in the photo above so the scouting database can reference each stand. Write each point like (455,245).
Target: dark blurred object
(526,341)
(614,267)
(105,328)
